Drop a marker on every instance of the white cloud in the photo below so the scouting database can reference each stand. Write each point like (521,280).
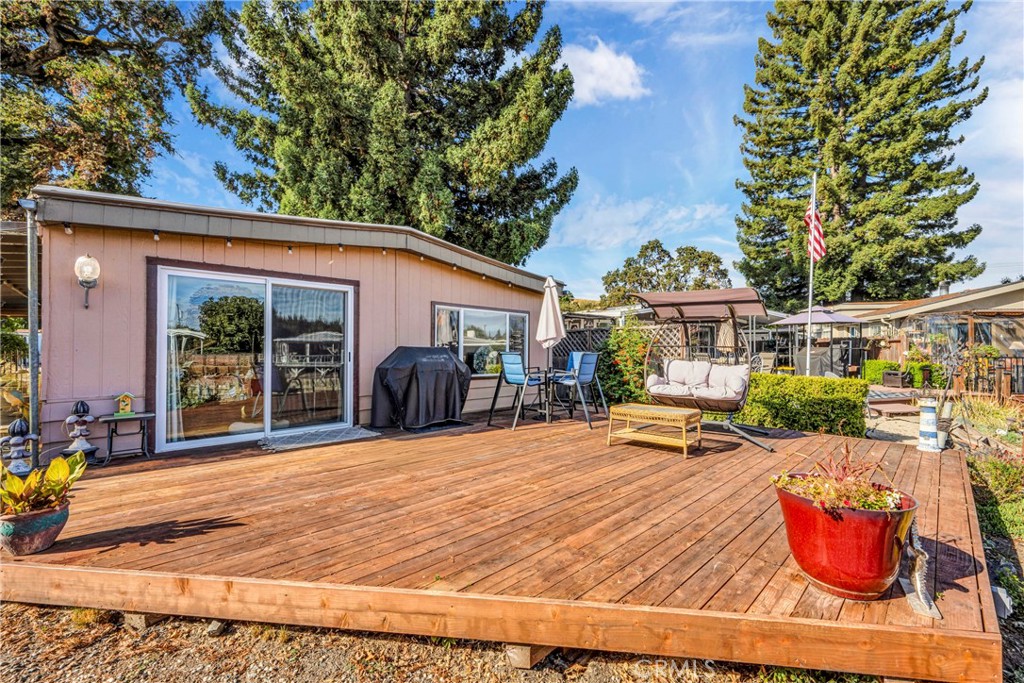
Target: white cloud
(196,164)
(711,39)
(608,223)
(639,11)
(708,26)
(601,74)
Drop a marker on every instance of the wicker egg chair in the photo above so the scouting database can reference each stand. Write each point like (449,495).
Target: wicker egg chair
(674,311)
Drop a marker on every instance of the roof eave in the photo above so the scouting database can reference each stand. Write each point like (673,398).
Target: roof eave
(61,204)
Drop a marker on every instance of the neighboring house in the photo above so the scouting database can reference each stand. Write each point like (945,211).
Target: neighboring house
(605,317)
(858,308)
(986,315)
(232,324)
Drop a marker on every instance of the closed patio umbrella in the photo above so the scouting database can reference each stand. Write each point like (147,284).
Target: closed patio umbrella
(726,339)
(550,328)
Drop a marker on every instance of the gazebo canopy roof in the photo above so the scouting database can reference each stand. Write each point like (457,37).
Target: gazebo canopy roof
(819,316)
(708,304)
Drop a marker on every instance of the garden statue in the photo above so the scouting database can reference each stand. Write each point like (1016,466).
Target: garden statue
(81,420)
(18,441)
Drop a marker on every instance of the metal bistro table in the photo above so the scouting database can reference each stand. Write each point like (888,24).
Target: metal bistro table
(114,421)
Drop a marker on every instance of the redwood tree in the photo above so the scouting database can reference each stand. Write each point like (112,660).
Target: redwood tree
(868,95)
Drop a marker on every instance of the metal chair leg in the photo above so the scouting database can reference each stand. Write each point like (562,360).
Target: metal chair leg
(583,402)
(520,395)
(494,401)
(601,392)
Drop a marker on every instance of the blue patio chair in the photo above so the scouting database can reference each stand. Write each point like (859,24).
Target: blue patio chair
(514,373)
(579,376)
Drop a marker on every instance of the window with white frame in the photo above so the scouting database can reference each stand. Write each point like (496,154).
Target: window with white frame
(477,335)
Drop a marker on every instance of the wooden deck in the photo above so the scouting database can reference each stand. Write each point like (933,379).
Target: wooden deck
(542,536)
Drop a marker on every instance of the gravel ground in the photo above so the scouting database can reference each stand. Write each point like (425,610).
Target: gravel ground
(47,645)
(898,429)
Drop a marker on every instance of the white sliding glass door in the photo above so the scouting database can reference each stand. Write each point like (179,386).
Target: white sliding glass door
(240,356)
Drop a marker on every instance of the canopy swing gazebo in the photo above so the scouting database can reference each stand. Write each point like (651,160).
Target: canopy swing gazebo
(679,309)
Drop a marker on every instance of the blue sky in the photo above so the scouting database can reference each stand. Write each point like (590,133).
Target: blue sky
(651,133)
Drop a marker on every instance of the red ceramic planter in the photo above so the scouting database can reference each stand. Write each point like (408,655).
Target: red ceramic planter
(854,554)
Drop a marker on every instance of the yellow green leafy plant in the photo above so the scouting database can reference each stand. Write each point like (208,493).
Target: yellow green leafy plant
(41,489)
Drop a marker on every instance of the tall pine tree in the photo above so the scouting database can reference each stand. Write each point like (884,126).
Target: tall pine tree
(426,114)
(866,94)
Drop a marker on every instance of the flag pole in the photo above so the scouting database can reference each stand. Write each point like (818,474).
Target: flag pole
(810,254)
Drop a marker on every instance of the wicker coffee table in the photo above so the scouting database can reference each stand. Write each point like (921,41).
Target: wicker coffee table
(650,417)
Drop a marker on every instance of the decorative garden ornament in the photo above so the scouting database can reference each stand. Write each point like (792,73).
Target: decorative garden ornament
(20,443)
(80,419)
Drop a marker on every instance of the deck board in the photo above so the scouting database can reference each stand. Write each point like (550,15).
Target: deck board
(542,536)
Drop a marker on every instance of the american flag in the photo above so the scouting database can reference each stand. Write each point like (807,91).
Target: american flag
(815,236)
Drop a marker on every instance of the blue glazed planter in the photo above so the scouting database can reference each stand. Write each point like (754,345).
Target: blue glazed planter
(32,532)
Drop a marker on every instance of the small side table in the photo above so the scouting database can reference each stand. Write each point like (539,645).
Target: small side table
(654,415)
(114,421)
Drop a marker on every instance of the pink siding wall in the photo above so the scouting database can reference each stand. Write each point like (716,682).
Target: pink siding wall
(96,353)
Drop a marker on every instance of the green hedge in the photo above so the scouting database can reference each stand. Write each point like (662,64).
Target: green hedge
(916,371)
(873,369)
(806,404)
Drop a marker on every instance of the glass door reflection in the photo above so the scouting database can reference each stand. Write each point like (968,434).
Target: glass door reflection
(214,329)
(309,339)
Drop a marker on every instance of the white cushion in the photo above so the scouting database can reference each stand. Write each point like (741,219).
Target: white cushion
(654,381)
(734,377)
(671,390)
(690,373)
(714,392)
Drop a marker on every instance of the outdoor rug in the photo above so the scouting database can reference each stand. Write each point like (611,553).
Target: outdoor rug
(319,437)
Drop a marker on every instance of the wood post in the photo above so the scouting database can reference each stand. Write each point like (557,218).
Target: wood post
(525,656)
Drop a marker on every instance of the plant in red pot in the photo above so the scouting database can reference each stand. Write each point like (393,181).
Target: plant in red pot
(847,533)
(34,510)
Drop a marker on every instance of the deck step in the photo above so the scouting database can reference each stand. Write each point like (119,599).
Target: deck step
(893,409)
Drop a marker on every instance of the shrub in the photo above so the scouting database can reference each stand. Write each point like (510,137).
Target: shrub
(916,370)
(806,404)
(873,369)
(621,364)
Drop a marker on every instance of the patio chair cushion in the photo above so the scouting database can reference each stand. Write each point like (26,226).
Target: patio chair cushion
(689,373)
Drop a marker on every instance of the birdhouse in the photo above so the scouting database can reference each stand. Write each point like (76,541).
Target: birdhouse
(124,404)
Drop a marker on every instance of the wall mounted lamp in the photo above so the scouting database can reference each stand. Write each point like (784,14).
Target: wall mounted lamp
(87,270)
(341,247)
(67,229)
(156,235)
(228,242)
